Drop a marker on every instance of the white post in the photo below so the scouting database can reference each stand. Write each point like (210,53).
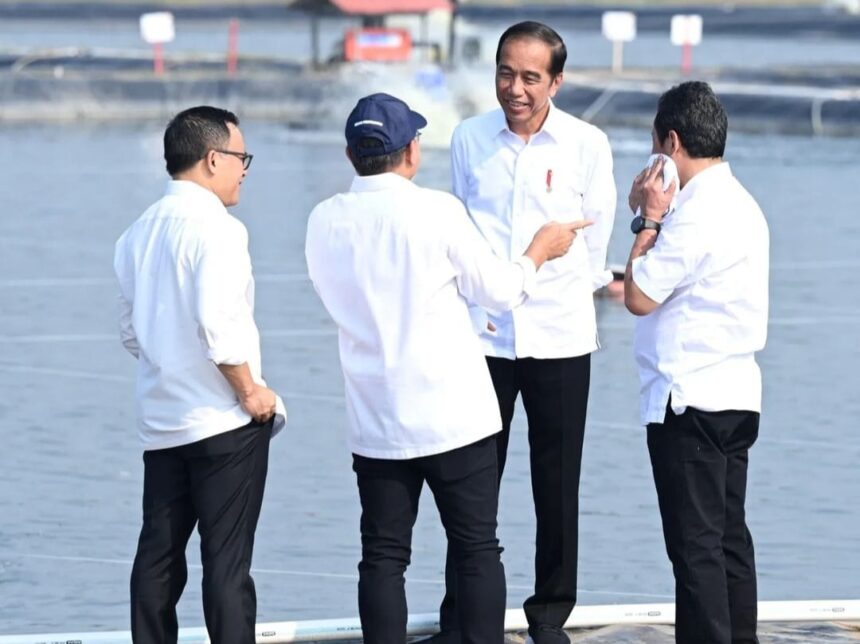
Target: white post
(617,56)
(686,32)
(618,27)
(157,28)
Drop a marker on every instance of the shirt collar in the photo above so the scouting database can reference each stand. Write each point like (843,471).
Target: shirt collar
(500,125)
(183,188)
(717,172)
(376,182)
(550,126)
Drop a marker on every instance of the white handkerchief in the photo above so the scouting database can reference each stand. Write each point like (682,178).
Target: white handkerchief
(670,174)
(280,415)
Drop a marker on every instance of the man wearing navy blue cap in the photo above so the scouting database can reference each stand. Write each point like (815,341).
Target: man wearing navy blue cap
(395,266)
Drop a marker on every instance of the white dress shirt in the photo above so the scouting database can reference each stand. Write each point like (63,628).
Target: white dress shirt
(393,264)
(186,305)
(709,271)
(511,188)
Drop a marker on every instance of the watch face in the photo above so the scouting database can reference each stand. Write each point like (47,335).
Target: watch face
(639,224)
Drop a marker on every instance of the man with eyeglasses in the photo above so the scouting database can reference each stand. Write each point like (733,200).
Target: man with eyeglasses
(395,265)
(205,415)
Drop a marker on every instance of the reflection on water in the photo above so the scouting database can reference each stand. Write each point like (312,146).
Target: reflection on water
(70,468)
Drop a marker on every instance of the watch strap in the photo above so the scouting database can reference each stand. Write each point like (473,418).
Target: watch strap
(640,223)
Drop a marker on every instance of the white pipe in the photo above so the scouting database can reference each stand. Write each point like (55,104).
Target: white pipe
(833,610)
(331,630)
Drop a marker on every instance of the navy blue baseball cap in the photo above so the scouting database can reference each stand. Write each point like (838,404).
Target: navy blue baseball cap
(384,118)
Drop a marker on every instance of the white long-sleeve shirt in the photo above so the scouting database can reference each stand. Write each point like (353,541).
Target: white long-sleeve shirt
(187,305)
(708,270)
(511,188)
(394,264)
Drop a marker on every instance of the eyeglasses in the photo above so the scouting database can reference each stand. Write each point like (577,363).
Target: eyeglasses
(244,157)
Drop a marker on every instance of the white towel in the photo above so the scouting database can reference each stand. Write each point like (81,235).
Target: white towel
(670,174)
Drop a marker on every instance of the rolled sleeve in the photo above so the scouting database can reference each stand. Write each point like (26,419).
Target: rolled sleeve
(529,273)
(672,262)
(222,280)
(650,284)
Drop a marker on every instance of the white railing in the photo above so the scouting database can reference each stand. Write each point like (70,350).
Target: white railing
(339,630)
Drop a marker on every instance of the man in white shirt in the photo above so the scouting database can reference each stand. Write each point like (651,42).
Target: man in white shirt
(394,264)
(516,168)
(205,415)
(698,276)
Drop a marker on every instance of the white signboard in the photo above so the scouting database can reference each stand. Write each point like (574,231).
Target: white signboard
(157,28)
(619,26)
(686,29)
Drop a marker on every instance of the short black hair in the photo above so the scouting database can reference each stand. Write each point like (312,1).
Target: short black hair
(375,164)
(192,133)
(694,112)
(538,31)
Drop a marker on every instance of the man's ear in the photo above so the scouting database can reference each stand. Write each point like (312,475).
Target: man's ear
(410,151)
(211,161)
(555,84)
(674,142)
(349,154)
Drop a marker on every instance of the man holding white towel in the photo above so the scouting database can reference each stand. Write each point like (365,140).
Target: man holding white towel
(698,279)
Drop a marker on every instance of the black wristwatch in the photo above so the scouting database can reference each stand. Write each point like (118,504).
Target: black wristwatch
(640,223)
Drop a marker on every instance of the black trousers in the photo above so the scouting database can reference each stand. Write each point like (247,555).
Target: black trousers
(700,462)
(464,484)
(555,398)
(216,484)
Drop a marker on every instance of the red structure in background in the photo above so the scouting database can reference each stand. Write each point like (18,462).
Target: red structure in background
(232,47)
(373,41)
(377,44)
(378,7)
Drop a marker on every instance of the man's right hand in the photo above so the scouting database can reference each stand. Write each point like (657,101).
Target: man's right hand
(259,403)
(654,199)
(553,240)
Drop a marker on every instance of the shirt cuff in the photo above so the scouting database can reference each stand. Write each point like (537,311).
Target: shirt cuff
(640,278)
(480,319)
(601,279)
(222,351)
(529,274)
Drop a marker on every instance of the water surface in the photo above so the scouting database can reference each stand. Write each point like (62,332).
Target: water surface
(71,468)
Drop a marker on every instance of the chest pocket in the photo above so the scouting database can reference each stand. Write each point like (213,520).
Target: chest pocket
(556,192)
